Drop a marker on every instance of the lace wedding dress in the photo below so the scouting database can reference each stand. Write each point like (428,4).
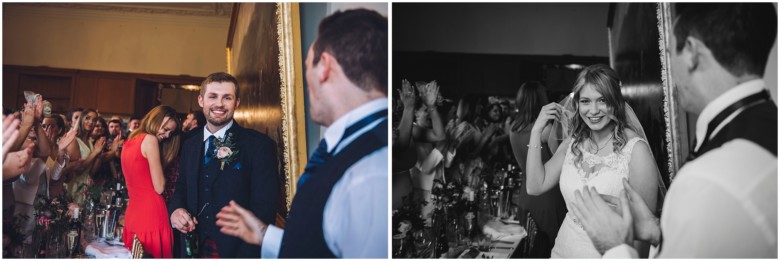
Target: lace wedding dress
(605,173)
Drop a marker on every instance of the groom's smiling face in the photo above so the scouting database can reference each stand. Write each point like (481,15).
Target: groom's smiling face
(219,102)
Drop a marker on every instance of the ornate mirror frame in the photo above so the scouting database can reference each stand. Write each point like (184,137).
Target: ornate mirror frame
(676,118)
(264,54)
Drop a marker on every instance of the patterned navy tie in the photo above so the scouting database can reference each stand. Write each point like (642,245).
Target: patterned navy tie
(209,150)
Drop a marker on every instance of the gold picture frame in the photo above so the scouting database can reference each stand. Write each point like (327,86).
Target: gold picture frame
(264,54)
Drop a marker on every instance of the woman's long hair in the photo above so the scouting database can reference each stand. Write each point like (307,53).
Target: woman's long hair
(606,82)
(530,99)
(102,122)
(152,122)
(82,133)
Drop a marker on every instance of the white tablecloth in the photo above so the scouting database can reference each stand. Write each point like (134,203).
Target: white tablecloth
(100,249)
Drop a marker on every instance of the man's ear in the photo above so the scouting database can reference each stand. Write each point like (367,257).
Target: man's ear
(693,53)
(200,100)
(238,101)
(325,66)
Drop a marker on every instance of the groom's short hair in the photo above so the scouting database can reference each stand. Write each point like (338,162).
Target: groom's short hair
(358,40)
(740,35)
(219,77)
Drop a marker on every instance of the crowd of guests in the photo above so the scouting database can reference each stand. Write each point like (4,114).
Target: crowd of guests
(472,142)
(48,155)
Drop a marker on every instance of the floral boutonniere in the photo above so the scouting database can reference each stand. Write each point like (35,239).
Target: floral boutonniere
(226,152)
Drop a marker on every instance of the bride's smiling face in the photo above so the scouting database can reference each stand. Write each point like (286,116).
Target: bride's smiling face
(593,108)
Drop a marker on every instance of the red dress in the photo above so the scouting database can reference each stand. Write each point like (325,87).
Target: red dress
(146,215)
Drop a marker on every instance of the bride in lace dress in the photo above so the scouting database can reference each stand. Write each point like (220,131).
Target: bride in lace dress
(602,149)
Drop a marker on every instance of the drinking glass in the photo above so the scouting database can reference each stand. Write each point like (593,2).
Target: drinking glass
(100,219)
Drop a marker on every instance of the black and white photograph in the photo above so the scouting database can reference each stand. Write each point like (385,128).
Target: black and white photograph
(584,130)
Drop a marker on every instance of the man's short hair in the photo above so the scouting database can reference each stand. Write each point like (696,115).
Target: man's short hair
(133,118)
(740,35)
(219,77)
(358,40)
(115,121)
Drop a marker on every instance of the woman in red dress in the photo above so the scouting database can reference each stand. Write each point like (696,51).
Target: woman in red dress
(147,152)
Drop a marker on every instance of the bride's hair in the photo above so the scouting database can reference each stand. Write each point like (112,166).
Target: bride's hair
(606,82)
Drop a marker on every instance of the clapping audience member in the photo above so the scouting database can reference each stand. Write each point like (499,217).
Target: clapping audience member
(88,153)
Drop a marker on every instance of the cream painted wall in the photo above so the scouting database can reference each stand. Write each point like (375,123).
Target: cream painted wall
(114,41)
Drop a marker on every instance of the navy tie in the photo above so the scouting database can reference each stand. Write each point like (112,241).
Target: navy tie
(321,154)
(209,150)
(318,158)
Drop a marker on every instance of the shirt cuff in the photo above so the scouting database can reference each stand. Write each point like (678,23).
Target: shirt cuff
(622,251)
(272,242)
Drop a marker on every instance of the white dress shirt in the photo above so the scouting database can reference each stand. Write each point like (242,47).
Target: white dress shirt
(31,185)
(724,203)
(220,134)
(355,219)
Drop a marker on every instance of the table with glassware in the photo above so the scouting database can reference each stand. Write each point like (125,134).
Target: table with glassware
(92,229)
(475,217)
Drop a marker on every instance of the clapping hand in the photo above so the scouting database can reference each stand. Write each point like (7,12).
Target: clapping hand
(646,226)
(407,95)
(605,227)
(38,109)
(430,94)
(117,143)
(239,222)
(100,144)
(66,140)
(17,162)
(28,115)
(10,132)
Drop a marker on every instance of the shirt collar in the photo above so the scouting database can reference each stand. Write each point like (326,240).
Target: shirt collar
(334,133)
(220,134)
(721,103)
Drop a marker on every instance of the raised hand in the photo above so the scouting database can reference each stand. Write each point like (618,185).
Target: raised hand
(407,94)
(430,94)
(118,141)
(28,115)
(549,112)
(100,144)
(38,109)
(66,140)
(10,132)
(17,162)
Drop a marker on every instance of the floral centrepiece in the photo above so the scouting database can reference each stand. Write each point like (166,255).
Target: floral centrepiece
(225,150)
(52,214)
(91,190)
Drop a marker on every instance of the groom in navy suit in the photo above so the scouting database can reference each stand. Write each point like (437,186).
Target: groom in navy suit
(222,162)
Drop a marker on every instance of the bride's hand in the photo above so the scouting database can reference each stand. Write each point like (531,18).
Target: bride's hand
(549,112)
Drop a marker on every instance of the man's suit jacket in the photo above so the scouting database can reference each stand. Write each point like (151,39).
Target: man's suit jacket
(251,180)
